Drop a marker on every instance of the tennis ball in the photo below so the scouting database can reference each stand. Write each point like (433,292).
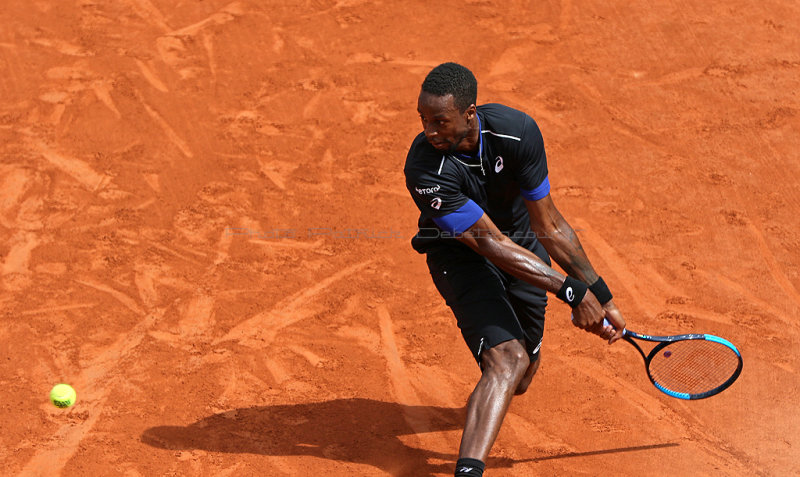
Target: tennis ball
(62,395)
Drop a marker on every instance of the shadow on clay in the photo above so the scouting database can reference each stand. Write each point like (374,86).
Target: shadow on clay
(363,431)
(357,430)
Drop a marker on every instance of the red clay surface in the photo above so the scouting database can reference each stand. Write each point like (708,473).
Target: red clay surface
(205,230)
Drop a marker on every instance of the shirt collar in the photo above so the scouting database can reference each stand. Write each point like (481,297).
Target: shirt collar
(479,155)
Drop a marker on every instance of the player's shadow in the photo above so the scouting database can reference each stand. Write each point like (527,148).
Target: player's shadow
(361,431)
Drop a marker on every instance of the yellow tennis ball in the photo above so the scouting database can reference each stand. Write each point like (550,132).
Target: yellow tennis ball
(62,395)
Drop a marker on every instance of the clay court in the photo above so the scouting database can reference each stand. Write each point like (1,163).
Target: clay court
(205,230)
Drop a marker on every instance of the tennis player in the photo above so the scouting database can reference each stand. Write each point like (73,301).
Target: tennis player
(487,225)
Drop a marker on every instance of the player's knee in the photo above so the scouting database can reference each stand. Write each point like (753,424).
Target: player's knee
(506,361)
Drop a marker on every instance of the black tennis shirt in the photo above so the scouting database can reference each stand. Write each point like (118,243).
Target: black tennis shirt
(452,191)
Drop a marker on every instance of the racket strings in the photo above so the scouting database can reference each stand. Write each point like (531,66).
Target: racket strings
(693,366)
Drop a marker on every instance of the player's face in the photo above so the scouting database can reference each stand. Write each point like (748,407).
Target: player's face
(446,128)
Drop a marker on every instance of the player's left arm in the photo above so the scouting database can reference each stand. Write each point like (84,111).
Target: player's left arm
(560,239)
(563,245)
(557,236)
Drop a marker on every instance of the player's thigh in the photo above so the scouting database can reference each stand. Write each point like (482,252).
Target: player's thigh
(461,275)
(477,295)
(530,303)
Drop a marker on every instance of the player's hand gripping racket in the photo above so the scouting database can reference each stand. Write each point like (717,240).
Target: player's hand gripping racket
(694,366)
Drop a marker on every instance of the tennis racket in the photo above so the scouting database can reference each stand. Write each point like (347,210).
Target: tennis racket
(694,366)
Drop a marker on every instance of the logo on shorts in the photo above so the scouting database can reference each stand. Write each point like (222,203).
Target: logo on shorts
(498,165)
(436,203)
(570,294)
(428,190)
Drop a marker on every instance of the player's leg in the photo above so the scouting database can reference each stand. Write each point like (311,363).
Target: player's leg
(503,367)
(530,313)
(529,373)
(529,303)
(476,293)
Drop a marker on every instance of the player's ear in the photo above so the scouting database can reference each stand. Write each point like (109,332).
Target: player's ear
(470,112)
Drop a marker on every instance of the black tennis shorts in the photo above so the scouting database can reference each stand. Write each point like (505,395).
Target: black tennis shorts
(490,305)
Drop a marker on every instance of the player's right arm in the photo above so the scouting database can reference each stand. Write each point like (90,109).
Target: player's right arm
(487,240)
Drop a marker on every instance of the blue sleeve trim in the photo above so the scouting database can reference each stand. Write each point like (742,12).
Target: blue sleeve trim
(460,220)
(539,192)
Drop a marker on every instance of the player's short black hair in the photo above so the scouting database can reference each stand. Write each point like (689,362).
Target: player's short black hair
(452,78)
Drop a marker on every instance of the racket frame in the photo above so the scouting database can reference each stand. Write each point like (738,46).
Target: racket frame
(664,341)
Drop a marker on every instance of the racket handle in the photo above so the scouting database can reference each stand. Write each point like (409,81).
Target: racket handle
(608,323)
(605,323)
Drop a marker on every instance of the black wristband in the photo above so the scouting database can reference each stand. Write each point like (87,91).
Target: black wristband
(600,290)
(469,468)
(572,292)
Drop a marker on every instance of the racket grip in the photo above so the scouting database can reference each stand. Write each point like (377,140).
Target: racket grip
(605,323)
(608,323)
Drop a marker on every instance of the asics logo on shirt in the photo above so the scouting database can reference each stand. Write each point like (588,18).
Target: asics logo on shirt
(429,190)
(436,203)
(498,165)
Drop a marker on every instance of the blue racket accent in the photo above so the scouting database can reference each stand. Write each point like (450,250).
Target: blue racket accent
(672,393)
(727,343)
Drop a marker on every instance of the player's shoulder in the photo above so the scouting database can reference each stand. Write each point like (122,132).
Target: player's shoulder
(501,119)
(422,157)
(497,110)
(420,146)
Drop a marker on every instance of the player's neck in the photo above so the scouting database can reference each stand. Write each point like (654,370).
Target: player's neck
(472,141)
